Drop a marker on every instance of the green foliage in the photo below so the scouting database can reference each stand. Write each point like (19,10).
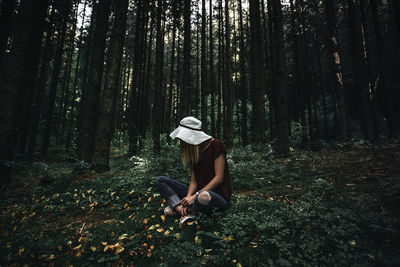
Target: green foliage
(280,216)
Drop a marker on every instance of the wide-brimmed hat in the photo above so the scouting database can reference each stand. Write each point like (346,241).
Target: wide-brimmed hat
(190,132)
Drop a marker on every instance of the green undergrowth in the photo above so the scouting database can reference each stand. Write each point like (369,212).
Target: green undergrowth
(280,216)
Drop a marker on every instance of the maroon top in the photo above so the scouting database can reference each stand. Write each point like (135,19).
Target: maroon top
(204,169)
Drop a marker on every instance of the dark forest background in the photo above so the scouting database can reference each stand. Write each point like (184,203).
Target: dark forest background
(305,95)
(82,74)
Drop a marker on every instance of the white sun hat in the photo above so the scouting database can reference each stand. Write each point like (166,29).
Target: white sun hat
(190,132)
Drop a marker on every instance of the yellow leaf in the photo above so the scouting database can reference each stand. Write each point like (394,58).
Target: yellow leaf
(166,232)
(77,247)
(113,193)
(151,227)
(148,200)
(160,230)
(196,239)
(353,242)
(104,243)
(59,247)
(93,248)
(20,251)
(234,260)
(69,242)
(238,264)
(78,254)
(77,201)
(123,236)
(125,205)
(163,218)
(145,221)
(190,223)
(81,239)
(52,257)
(106,248)
(229,238)
(119,250)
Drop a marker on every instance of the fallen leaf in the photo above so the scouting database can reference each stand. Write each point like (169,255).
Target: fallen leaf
(77,247)
(119,250)
(93,248)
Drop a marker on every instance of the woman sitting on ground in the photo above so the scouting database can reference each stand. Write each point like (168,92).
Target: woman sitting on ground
(210,186)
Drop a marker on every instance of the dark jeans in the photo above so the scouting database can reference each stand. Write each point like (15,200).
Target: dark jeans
(173,191)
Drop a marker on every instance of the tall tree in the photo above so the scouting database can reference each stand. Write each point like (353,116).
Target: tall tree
(203,66)
(111,87)
(228,89)
(281,114)
(91,98)
(243,77)
(29,25)
(212,78)
(7,8)
(157,107)
(360,74)
(336,71)
(384,90)
(258,120)
(186,89)
(64,14)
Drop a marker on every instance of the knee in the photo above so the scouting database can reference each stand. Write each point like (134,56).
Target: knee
(159,180)
(204,198)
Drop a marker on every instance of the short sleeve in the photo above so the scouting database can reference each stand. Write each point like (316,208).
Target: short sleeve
(218,148)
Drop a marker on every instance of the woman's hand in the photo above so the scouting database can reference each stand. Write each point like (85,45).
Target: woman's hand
(183,211)
(188,201)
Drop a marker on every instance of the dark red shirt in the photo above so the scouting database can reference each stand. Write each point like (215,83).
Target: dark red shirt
(204,169)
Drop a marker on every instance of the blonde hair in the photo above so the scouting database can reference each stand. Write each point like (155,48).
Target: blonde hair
(189,154)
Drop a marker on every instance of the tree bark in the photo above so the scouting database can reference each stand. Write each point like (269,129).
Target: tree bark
(31,16)
(157,110)
(91,98)
(212,78)
(64,13)
(6,19)
(359,67)
(110,91)
(336,72)
(228,123)
(186,89)
(258,120)
(204,88)
(281,116)
(243,77)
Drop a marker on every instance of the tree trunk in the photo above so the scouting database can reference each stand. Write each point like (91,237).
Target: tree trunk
(336,72)
(204,88)
(228,123)
(186,89)
(360,74)
(243,77)
(258,120)
(64,13)
(91,98)
(6,18)
(212,78)
(157,111)
(281,116)
(31,16)
(109,94)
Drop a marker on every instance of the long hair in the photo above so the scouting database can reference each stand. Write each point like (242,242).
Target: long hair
(189,154)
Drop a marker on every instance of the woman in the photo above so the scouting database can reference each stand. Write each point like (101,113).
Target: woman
(210,186)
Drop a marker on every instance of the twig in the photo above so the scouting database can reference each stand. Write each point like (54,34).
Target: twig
(83,226)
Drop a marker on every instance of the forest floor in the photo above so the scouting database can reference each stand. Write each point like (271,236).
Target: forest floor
(336,206)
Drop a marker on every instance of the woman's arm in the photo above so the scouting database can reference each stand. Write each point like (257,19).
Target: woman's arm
(189,199)
(219,167)
(192,185)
